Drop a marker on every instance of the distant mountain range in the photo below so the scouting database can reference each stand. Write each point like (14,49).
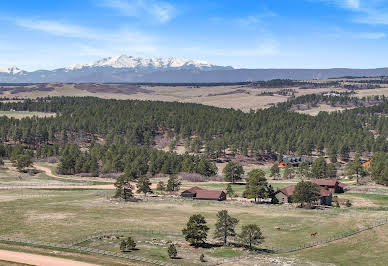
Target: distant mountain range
(124,68)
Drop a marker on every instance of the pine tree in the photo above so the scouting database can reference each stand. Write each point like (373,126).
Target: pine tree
(225,226)
(319,168)
(161,186)
(123,188)
(144,185)
(275,171)
(306,192)
(173,183)
(229,191)
(172,252)
(233,172)
(196,230)
(257,185)
(251,235)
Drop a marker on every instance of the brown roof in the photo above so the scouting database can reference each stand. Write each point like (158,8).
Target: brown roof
(324,192)
(209,194)
(288,191)
(192,190)
(341,184)
(325,182)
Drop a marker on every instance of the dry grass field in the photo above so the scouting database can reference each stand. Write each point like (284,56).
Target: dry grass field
(22,114)
(65,215)
(241,97)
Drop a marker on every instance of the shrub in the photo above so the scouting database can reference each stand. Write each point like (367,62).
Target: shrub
(202,258)
(172,252)
(348,203)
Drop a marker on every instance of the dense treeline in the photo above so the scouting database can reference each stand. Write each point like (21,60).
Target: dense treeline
(258,133)
(134,161)
(334,100)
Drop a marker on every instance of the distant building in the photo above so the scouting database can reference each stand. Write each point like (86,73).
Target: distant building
(333,185)
(332,94)
(210,195)
(366,164)
(191,192)
(204,194)
(294,161)
(284,195)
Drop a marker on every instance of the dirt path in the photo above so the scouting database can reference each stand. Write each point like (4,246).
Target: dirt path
(39,260)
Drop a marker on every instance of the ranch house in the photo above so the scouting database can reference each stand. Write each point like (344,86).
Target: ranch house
(284,195)
(204,194)
(333,185)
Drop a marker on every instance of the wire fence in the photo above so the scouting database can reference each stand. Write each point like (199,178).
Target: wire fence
(75,245)
(70,247)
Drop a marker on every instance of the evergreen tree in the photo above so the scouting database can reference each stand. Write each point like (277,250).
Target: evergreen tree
(131,244)
(172,252)
(275,171)
(225,226)
(251,235)
(288,172)
(173,183)
(319,168)
(306,192)
(144,185)
(257,185)
(123,246)
(379,168)
(22,161)
(196,230)
(229,191)
(161,186)
(123,188)
(233,172)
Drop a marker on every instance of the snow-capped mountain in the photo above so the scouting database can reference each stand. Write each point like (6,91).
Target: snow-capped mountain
(124,68)
(11,70)
(146,64)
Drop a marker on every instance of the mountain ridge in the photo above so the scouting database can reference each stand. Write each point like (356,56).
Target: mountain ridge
(124,68)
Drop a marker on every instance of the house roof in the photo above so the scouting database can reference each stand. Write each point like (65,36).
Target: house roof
(209,194)
(296,159)
(324,193)
(288,191)
(325,182)
(192,190)
(328,182)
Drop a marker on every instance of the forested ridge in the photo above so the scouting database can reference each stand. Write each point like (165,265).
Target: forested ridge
(267,132)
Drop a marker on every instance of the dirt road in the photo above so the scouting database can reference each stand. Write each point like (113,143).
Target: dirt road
(39,260)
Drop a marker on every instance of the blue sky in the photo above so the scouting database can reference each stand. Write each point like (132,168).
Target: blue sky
(242,33)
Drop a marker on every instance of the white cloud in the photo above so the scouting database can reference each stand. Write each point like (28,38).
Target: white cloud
(372,35)
(158,11)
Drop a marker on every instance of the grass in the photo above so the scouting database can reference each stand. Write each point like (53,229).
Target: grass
(23,114)
(225,253)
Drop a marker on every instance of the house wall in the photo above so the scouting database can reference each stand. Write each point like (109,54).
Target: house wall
(281,197)
(326,200)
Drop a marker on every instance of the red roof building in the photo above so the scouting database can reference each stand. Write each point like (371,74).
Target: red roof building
(284,195)
(203,194)
(331,184)
(210,195)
